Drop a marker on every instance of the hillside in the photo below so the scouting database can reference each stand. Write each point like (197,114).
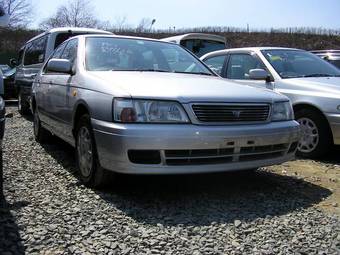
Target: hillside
(12,40)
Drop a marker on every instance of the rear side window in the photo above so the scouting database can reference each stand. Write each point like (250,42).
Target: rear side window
(201,47)
(35,51)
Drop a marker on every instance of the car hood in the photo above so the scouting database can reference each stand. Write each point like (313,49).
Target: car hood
(329,85)
(184,88)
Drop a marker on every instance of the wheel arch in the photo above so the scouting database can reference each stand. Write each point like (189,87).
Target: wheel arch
(80,109)
(300,106)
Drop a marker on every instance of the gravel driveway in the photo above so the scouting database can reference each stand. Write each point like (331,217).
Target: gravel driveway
(50,212)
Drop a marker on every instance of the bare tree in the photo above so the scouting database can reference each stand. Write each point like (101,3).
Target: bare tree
(121,23)
(20,12)
(144,25)
(77,13)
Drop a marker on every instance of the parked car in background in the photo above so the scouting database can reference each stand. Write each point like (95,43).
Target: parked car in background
(332,56)
(198,43)
(10,90)
(34,53)
(4,20)
(312,84)
(143,106)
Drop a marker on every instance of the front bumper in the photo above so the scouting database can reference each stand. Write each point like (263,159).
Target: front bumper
(334,122)
(185,149)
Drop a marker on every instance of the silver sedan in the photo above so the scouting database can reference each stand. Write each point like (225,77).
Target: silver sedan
(312,85)
(141,106)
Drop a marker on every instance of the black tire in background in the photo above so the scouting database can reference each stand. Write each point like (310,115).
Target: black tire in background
(324,142)
(23,106)
(97,176)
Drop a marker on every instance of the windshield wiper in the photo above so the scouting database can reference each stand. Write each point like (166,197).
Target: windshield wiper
(317,75)
(141,70)
(200,73)
(154,70)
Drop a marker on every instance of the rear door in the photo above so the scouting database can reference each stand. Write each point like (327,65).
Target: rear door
(33,60)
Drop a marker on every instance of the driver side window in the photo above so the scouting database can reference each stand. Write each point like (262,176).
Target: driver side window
(240,64)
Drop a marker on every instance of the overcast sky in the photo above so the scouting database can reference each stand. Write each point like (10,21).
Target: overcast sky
(193,13)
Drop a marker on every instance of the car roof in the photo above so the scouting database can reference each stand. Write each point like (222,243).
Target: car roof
(118,36)
(69,30)
(256,49)
(195,36)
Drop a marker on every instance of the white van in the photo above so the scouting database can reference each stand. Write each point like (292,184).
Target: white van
(34,53)
(199,44)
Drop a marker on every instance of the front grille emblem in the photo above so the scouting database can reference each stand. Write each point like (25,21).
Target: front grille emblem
(236,113)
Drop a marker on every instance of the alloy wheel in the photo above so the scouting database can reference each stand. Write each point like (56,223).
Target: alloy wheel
(310,135)
(85,151)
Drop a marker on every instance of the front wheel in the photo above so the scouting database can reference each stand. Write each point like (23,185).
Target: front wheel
(91,173)
(316,137)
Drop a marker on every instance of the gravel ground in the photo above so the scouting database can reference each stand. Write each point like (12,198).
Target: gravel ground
(49,212)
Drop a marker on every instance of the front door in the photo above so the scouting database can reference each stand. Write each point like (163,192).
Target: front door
(238,67)
(61,91)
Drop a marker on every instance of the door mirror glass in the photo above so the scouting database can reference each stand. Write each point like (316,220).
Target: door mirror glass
(258,74)
(59,66)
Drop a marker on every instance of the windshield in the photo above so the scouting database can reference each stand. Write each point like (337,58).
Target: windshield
(298,63)
(122,54)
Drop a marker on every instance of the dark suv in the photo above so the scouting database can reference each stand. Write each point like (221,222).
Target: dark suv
(34,53)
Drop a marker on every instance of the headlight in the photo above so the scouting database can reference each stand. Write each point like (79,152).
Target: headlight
(282,111)
(148,111)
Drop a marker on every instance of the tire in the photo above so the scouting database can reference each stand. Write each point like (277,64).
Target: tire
(90,171)
(316,140)
(2,196)
(41,135)
(23,107)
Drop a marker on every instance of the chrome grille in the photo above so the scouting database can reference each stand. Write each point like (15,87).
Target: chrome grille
(231,112)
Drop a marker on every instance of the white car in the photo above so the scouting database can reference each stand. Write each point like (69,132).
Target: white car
(311,83)
(199,43)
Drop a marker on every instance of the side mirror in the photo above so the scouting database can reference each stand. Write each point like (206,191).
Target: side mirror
(259,74)
(59,66)
(13,62)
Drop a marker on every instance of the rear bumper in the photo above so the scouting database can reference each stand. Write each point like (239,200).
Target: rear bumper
(334,122)
(184,149)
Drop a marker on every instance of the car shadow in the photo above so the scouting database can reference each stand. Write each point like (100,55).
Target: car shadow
(201,200)
(332,157)
(10,240)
